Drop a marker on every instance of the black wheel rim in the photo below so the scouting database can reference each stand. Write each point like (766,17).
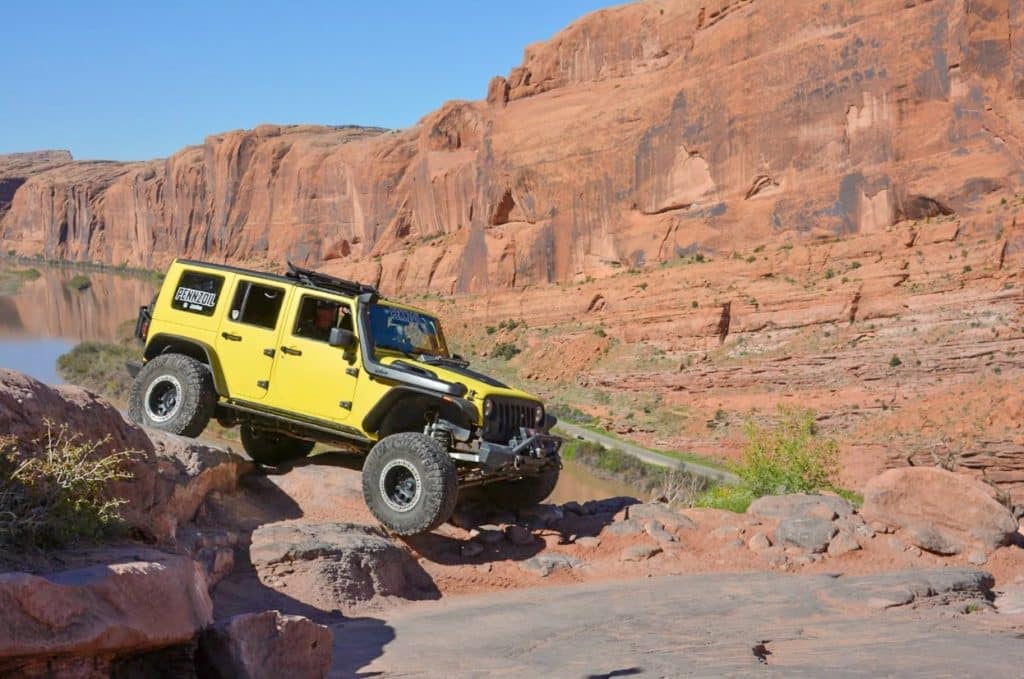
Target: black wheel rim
(400,486)
(162,398)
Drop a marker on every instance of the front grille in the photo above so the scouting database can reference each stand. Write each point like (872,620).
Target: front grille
(506,419)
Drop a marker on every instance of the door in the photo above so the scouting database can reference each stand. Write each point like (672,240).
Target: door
(247,341)
(310,376)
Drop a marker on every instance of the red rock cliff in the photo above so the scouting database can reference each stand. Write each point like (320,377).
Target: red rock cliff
(635,135)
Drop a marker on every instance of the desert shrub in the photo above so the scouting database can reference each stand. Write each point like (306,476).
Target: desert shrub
(59,495)
(505,350)
(788,457)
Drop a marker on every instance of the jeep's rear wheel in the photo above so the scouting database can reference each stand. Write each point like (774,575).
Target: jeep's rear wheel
(409,483)
(271,448)
(173,393)
(523,493)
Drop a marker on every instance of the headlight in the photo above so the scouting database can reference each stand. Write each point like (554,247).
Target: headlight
(538,415)
(488,407)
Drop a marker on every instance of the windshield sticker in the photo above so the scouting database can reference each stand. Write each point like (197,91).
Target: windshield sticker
(404,315)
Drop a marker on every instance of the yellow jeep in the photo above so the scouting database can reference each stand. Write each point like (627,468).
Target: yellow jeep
(305,357)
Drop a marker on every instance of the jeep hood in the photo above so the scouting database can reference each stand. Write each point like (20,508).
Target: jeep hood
(483,385)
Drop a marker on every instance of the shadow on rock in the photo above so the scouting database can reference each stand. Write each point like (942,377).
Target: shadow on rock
(357,643)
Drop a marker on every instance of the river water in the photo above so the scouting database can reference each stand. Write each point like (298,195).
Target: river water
(46,318)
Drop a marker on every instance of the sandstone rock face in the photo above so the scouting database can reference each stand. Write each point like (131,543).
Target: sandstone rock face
(266,645)
(171,475)
(634,135)
(141,599)
(938,510)
(333,565)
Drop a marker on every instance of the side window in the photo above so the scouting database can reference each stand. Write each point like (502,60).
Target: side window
(317,316)
(257,304)
(197,293)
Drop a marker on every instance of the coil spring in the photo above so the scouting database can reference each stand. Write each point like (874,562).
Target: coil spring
(443,437)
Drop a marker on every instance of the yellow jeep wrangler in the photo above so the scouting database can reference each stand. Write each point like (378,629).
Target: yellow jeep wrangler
(306,357)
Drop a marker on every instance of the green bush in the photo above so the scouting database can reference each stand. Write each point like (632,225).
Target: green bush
(505,350)
(58,496)
(789,457)
(725,496)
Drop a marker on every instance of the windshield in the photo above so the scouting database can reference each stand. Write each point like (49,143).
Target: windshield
(406,331)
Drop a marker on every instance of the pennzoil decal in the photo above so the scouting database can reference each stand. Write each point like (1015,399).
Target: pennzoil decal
(195,300)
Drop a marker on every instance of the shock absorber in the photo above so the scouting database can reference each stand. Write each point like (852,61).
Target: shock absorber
(442,436)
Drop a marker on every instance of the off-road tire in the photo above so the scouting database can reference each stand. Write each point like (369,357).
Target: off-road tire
(429,502)
(173,393)
(271,448)
(523,493)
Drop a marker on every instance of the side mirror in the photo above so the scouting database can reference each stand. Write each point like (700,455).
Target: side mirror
(340,337)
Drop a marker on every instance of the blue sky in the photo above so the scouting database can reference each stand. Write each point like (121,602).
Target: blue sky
(137,80)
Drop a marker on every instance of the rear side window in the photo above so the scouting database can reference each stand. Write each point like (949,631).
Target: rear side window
(257,304)
(197,293)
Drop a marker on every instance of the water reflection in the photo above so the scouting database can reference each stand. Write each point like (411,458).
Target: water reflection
(578,483)
(46,307)
(45,318)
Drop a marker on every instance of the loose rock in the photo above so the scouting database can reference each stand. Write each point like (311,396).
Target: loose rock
(265,645)
(812,534)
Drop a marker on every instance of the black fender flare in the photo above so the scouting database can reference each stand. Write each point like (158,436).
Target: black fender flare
(201,351)
(459,410)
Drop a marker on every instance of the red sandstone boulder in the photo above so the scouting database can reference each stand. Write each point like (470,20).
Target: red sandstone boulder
(139,599)
(939,511)
(265,645)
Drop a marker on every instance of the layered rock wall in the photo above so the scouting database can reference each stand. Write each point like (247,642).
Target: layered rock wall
(636,135)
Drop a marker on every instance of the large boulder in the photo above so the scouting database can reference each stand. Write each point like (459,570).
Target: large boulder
(938,510)
(265,645)
(140,599)
(170,475)
(334,565)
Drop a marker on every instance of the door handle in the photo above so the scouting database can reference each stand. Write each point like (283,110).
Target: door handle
(290,351)
(229,336)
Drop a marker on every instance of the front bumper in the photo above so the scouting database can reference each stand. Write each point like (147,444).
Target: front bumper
(537,452)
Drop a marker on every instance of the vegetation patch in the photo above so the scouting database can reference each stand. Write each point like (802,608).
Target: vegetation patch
(78,282)
(99,366)
(788,457)
(54,492)
(505,350)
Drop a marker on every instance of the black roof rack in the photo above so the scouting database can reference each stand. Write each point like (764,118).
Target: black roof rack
(315,279)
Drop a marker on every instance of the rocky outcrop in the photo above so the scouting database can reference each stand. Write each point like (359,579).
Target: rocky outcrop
(335,565)
(638,134)
(265,645)
(137,600)
(938,511)
(170,475)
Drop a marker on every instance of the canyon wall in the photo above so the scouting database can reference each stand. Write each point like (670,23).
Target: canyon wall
(637,135)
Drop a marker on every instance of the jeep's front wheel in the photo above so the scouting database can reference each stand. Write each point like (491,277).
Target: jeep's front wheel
(409,483)
(523,493)
(270,448)
(173,393)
